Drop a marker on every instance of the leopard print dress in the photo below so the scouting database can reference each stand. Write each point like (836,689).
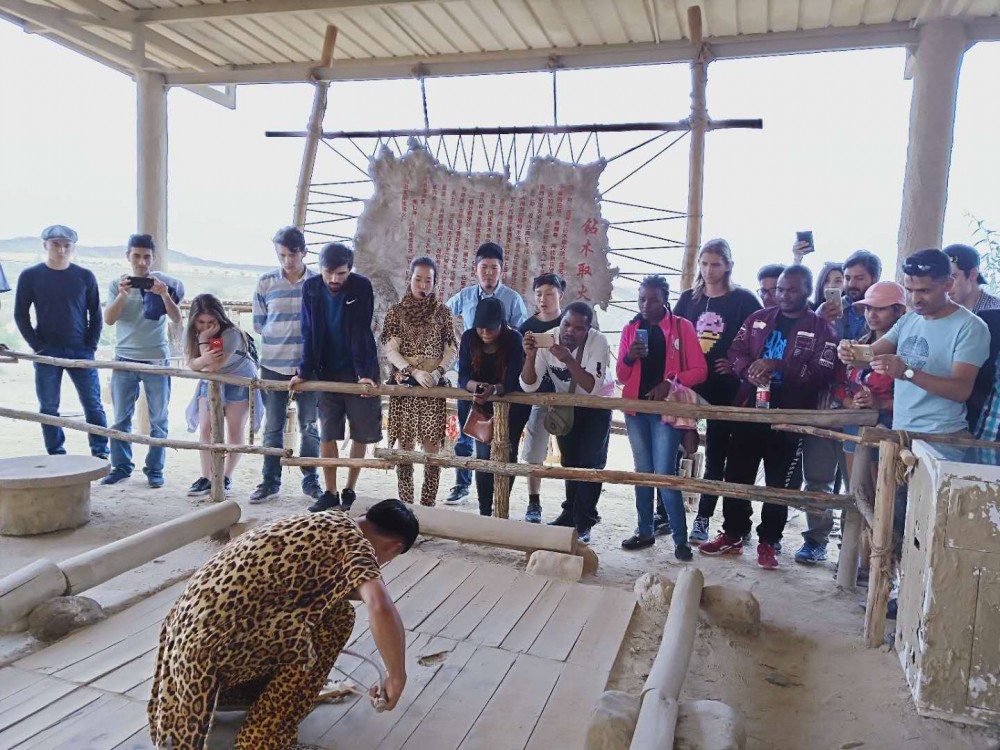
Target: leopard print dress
(424,329)
(266,617)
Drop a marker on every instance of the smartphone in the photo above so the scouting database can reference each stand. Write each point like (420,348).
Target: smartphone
(642,336)
(805,237)
(545,340)
(862,352)
(141,282)
(836,297)
(215,344)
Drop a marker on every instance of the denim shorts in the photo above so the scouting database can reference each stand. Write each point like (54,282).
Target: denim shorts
(231,394)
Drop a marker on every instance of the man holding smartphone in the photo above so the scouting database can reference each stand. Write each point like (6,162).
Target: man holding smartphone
(142,304)
(821,458)
(67,324)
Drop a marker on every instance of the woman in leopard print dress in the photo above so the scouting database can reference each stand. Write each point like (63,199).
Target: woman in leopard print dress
(419,340)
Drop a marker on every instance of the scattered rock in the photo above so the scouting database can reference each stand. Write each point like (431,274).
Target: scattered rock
(555,565)
(781,680)
(732,608)
(653,592)
(851,745)
(64,614)
(612,721)
(708,725)
(238,529)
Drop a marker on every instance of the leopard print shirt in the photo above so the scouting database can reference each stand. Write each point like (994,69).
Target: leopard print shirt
(262,602)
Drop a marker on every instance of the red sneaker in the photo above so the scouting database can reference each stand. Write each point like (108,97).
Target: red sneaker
(722,545)
(767,558)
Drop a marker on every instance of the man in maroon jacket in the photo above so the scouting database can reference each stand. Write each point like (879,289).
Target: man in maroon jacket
(791,350)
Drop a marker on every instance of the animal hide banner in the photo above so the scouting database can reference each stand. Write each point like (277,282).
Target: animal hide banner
(551,221)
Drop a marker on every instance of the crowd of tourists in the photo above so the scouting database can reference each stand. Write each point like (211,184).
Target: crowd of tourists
(846,341)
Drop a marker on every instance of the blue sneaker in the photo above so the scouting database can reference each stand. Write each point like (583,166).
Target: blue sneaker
(699,530)
(810,554)
(155,481)
(583,535)
(116,476)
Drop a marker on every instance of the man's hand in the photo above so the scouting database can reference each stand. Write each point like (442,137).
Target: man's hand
(394,685)
(294,382)
(367,381)
(723,367)
(889,364)
(660,392)
(530,344)
(124,286)
(760,372)
(637,350)
(159,288)
(561,353)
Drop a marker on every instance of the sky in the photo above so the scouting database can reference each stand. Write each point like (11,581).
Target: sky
(830,157)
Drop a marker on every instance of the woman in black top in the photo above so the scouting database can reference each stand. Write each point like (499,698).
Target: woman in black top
(549,289)
(717,308)
(490,360)
(831,276)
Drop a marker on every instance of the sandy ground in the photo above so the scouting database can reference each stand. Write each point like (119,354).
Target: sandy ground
(838,694)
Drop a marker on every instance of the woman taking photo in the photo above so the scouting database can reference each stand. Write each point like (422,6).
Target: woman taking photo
(418,336)
(490,360)
(717,308)
(657,348)
(213,343)
(549,289)
(831,276)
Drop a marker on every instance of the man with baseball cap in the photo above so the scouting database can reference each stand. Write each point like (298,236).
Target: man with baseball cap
(68,325)
(968,288)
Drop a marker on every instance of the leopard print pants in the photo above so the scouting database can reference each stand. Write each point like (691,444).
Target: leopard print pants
(428,493)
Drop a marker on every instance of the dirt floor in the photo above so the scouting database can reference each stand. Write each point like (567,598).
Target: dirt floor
(833,693)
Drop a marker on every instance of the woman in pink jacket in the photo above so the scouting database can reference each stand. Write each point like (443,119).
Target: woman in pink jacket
(656,348)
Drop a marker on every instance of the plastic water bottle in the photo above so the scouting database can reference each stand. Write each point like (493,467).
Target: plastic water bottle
(764,396)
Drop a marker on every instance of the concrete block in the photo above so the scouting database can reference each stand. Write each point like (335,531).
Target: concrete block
(709,725)
(555,565)
(612,721)
(41,494)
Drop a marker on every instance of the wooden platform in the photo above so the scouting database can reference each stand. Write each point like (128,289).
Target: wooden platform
(496,659)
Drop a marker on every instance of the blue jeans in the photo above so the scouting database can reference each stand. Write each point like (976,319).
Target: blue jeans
(124,392)
(464,444)
(654,449)
(48,387)
(276,406)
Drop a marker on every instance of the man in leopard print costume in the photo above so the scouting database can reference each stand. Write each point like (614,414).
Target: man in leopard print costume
(267,617)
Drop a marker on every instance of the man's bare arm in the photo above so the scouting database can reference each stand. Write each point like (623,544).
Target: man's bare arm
(390,637)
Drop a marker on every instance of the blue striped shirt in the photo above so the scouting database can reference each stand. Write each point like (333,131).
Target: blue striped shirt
(277,317)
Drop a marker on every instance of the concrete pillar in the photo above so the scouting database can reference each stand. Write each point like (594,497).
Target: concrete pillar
(151,160)
(937,63)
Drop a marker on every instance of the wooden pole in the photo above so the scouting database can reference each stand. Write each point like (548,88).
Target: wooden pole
(340,463)
(699,126)
(877,434)
(500,452)
(880,577)
(216,413)
(314,131)
(776,495)
(151,161)
(842,437)
(814,417)
(658,713)
(472,527)
(129,437)
(847,567)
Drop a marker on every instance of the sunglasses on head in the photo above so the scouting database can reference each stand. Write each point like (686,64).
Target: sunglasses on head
(912,267)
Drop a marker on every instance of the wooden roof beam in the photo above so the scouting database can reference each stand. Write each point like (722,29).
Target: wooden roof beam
(245,8)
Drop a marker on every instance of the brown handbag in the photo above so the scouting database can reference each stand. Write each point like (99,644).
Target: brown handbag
(479,425)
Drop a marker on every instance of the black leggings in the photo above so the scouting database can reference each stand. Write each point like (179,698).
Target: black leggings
(517,419)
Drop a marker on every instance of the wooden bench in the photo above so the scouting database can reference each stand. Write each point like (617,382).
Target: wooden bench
(39,494)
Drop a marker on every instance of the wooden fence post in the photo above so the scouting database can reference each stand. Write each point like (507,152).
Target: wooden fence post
(218,422)
(880,579)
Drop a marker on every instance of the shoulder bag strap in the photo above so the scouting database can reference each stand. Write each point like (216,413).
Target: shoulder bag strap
(579,361)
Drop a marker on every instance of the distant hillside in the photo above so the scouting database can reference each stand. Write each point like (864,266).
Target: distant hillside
(31,246)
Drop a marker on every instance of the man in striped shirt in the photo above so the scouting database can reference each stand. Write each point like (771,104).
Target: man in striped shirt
(277,317)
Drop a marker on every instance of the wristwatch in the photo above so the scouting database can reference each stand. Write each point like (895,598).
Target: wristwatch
(908,373)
